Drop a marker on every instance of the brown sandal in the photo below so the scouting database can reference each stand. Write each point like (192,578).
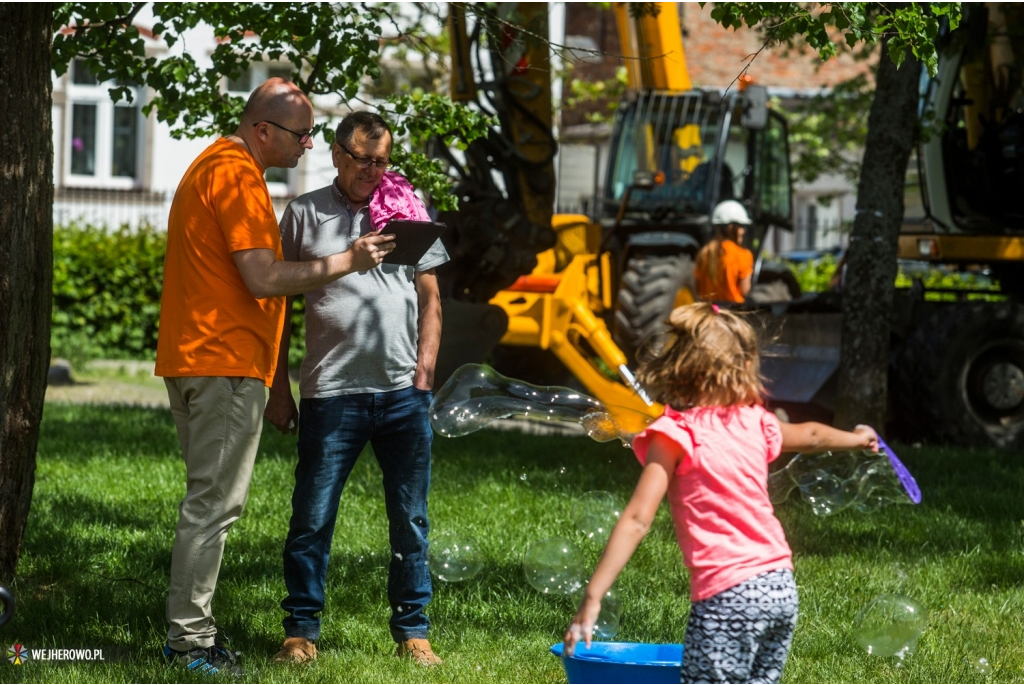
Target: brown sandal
(419,651)
(296,650)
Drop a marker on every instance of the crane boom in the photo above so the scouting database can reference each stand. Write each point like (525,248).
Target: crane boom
(652,43)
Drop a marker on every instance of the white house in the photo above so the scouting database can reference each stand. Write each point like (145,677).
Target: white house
(114,166)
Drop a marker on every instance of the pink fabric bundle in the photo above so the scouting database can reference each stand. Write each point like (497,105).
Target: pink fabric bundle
(395,198)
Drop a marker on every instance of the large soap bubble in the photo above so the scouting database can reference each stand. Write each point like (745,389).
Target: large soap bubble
(608,620)
(453,558)
(554,566)
(595,514)
(476,395)
(890,625)
(834,481)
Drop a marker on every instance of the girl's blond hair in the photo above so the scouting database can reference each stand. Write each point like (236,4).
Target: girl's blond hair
(707,358)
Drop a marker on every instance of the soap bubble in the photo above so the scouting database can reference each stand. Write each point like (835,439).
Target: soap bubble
(554,566)
(980,665)
(476,395)
(834,481)
(898,572)
(607,625)
(453,559)
(595,514)
(889,625)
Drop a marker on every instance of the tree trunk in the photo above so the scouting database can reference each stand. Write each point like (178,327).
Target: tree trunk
(26,259)
(871,261)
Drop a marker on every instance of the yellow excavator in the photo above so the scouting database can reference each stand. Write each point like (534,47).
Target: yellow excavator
(956,355)
(567,293)
(575,297)
(958,367)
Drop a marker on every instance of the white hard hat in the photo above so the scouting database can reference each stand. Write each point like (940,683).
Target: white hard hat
(730,212)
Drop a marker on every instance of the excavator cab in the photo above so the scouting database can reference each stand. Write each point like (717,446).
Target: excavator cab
(973,164)
(703,147)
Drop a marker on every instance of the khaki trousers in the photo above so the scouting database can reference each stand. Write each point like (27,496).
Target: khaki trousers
(219,421)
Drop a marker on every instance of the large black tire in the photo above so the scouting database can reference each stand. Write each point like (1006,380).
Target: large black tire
(647,294)
(966,362)
(908,420)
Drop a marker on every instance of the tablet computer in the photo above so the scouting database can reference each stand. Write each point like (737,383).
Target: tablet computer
(412,240)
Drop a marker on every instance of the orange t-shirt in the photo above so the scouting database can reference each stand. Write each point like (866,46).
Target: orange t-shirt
(210,324)
(735,264)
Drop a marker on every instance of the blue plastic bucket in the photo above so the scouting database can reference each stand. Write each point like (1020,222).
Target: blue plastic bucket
(622,662)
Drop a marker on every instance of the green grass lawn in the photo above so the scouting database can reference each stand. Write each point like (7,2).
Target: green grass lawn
(94,565)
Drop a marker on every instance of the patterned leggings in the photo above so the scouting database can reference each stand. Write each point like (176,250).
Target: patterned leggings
(742,635)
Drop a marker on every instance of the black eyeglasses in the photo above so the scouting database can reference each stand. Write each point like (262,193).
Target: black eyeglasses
(303,137)
(366,162)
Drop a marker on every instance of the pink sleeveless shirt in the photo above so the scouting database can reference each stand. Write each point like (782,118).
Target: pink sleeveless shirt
(718,496)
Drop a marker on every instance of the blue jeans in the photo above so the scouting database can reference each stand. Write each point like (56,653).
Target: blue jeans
(332,433)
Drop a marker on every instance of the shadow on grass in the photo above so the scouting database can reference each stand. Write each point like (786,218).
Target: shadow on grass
(95,565)
(75,432)
(66,510)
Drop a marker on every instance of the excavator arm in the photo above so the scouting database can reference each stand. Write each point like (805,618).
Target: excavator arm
(553,278)
(500,62)
(506,181)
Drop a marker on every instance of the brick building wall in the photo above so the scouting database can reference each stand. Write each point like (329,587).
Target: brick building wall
(716,55)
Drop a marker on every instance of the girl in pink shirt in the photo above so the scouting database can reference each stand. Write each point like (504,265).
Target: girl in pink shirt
(709,452)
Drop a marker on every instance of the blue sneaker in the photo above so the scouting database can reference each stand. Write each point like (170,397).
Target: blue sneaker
(207,661)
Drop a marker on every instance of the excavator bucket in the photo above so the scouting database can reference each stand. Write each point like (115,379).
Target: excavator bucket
(470,332)
(800,357)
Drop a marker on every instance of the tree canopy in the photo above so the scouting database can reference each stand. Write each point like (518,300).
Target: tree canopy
(828,131)
(333,49)
(908,29)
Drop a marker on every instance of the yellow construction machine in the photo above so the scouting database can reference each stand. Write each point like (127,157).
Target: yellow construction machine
(958,367)
(579,295)
(571,293)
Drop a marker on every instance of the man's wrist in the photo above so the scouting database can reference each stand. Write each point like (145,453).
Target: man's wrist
(339,264)
(281,389)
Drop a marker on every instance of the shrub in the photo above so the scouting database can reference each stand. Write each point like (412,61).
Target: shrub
(298,347)
(106,294)
(106,291)
(814,277)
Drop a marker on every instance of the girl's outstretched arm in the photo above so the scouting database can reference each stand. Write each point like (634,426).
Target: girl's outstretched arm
(662,457)
(817,437)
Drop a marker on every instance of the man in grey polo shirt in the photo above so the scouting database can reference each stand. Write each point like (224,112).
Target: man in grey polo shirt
(371,343)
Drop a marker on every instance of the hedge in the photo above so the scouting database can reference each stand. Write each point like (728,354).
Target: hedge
(815,276)
(106,294)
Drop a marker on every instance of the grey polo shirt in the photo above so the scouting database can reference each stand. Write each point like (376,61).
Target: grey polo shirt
(362,329)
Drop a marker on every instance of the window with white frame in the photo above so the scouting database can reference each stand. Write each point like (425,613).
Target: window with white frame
(279,181)
(103,140)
